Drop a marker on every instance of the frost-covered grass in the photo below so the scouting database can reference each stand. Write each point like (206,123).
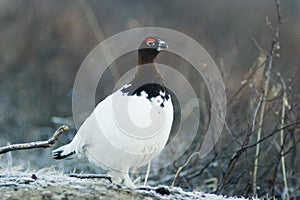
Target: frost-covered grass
(52,184)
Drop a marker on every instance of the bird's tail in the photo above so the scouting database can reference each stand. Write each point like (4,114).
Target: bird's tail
(63,152)
(69,150)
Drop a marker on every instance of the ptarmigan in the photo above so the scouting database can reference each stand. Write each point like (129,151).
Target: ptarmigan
(131,126)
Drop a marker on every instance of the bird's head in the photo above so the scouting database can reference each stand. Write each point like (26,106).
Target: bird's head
(150,48)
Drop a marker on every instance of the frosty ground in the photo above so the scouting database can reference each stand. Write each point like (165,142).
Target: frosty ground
(53,185)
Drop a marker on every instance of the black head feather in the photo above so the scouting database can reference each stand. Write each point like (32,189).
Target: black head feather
(150,48)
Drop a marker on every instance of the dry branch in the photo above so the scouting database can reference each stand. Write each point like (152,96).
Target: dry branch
(284,104)
(183,166)
(147,173)
(34,145)
(92,176)
(264,93)
(253,70)
(237,155)
(289,126)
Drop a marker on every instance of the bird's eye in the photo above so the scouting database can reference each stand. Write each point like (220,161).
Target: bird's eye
(150,43)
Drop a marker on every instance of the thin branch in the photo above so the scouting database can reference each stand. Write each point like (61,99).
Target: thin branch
(34,145)
(284,104)
(236,157)
(258,46)
(253,70)
(232,163)
(273,49)
(147,173)
(92,176)
(270,135)
(183,166)
(293,147)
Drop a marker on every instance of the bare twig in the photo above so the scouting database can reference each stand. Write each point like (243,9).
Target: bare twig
(258,64)
(147,173)
(273,49)
(258,46)
(183,166)
(236,157)
(293,147)
(34,145)
(92,176)
(284,104)
(271,134)
(232,163)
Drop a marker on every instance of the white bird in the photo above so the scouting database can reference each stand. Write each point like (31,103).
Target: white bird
(131,126)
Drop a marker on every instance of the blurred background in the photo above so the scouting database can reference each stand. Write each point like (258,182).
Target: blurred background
(43,43)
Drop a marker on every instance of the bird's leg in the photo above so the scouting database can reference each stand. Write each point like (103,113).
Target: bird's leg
(122,177)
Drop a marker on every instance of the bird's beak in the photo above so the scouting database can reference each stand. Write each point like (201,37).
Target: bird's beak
(162,45)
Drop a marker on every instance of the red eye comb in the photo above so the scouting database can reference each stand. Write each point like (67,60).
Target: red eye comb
(150,40)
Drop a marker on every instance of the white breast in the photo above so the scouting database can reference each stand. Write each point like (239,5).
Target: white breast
(130,130)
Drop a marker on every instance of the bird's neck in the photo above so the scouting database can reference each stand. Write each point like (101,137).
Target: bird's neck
(144,59)
(147,71)
(147,78)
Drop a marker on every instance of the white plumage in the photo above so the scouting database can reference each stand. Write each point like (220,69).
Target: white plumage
(129,127)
